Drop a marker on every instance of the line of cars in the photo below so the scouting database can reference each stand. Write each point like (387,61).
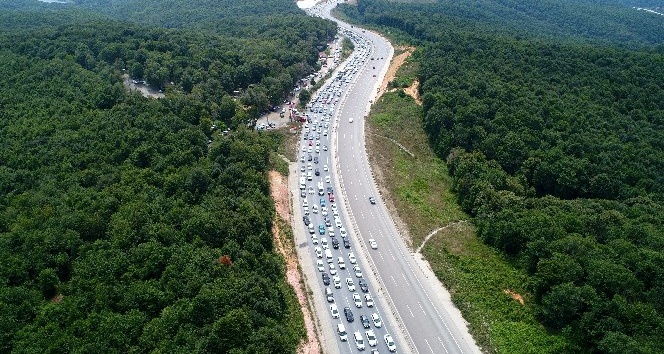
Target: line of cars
(323,220)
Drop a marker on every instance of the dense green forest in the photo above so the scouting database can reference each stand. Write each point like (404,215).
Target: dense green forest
(129,224)
(554,141)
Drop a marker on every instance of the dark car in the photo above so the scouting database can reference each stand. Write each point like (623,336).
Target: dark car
(317,172)
(306,220)
(335,243)
(315,159)
(303,194)
(328,222)
(349,314)
(309,158)
(326,278)
(363,285)
(330,190)
(346,243)
(365,321)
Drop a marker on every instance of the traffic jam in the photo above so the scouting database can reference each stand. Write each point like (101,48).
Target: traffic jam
(352,309)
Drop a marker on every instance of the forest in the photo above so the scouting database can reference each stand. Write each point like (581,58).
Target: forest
(130,224)
(554,142)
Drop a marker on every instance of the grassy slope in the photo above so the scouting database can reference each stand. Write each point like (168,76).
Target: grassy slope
(420,189)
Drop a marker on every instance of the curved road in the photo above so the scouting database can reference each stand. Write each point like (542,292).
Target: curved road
(428,321)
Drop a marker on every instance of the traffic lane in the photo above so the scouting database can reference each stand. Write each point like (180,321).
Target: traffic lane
(401,284)
(390,266)
(342,296)
(402,287)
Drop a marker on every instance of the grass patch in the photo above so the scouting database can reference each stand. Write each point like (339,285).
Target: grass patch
(419,188)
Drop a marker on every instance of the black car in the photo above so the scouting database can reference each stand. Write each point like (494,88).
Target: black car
(309,158)
(326,278)
(349,314)
(303,193)
(346,243)
(315,159)
(306,220)
(329,190)
(317,172)
(365,321)
(328,222)
(363,285)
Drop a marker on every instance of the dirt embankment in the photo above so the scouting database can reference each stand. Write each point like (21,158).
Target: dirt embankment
(285,246)
(396,63)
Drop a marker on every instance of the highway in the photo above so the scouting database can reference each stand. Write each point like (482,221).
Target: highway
(414,307)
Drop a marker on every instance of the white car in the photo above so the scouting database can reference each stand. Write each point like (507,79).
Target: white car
(373,243)
(350,120)
(311,190)
(325,168)
(359,340)
(337,282)
(357,300)
(358,272)
(319,252)
(371,338)
(390,343)
(314,209)
(343,336)
(305,203)
(327,179)
(334,311)
(319,265)
(376,320)
(368,300)
(342,231)
(350,284)
(323,241)
(333,269)
(341,263)
(337,223)
(323,211)
(314,238)
(351,258)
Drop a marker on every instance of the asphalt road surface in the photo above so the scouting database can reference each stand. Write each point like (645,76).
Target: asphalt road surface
(414,308)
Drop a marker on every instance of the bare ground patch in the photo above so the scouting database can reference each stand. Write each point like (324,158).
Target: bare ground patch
(286,247)
(396,63)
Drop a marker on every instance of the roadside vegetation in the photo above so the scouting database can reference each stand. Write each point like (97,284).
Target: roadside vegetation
(556,157)
(419,191)
(130,224)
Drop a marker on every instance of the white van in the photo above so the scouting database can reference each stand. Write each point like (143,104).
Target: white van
(359,340)
(303,182)
(309,176)
(342,332)
(328,255)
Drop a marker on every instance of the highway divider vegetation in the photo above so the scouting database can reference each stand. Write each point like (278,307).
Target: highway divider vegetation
(130,224)
(553,140)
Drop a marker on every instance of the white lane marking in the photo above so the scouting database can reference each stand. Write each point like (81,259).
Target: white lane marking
(411,312)
(422,308)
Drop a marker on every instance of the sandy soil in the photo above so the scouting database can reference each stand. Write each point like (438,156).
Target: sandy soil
(279,192)
(396,63)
